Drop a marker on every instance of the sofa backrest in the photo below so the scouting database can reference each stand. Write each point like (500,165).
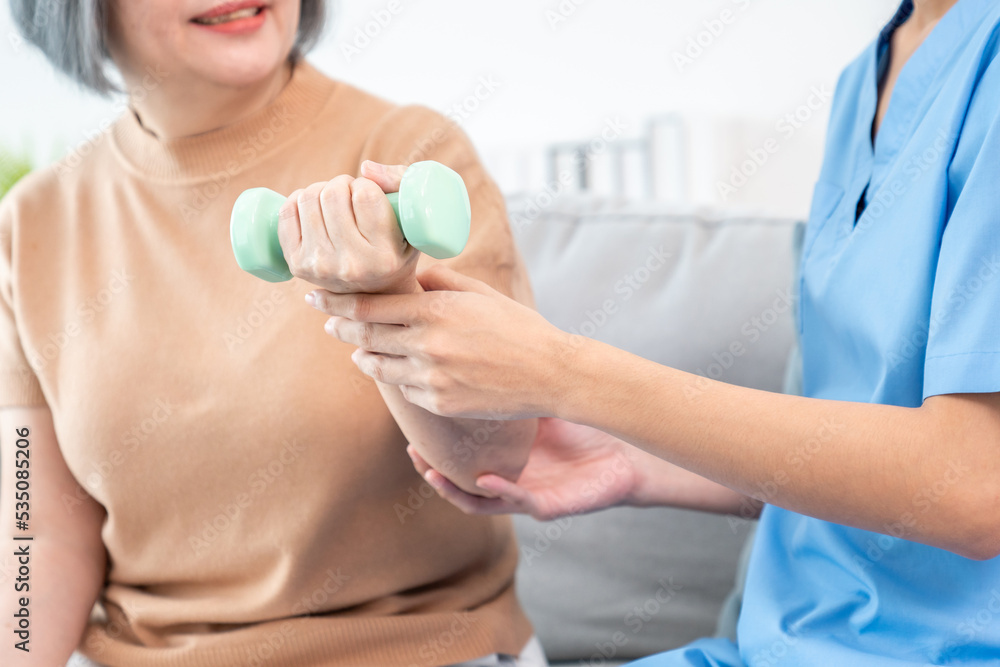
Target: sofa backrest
(699,292)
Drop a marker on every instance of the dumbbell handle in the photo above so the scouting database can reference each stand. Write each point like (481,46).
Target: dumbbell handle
(432,208)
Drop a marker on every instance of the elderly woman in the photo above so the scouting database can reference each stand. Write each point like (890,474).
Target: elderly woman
(197,455)
(880,539)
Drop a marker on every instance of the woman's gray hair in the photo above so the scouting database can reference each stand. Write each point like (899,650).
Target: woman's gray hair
(73,35)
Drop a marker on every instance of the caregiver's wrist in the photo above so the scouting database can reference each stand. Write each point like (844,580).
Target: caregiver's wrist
(603,386)
(572,395)
(644,492)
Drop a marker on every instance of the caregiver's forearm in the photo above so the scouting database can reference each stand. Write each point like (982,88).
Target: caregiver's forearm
(931,474)
(463,449)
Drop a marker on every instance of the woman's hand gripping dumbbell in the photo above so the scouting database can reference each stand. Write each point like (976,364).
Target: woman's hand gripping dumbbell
(346,235)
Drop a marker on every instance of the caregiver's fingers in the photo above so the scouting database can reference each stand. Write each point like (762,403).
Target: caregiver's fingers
(372,337)
(387,177)
(438,278)
(509,499)
(419,464)
(466,502)
(385,369)
(517,499)
(381,308)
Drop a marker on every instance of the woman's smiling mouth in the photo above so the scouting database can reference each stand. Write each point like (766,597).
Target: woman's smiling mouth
(233,17)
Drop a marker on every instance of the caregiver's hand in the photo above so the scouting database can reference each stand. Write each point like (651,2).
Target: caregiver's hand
(461,349)
(572,469)
(342,235)
(575,469)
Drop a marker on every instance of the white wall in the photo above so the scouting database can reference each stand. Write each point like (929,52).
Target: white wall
(557,80)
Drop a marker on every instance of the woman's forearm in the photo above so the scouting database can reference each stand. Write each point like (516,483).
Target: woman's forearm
(59,573)
(463,449)
(64,584)
(928,474)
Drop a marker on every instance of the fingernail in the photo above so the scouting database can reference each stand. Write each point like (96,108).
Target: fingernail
(311,299)
(331,326)
(373,168)
(433,481)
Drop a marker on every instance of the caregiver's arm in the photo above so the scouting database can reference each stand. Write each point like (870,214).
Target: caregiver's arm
(929,474)
(576,469)
(64,566)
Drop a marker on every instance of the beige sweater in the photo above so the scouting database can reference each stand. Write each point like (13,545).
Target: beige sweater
(261,509)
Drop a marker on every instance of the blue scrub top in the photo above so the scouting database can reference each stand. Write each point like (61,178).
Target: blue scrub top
(900,300)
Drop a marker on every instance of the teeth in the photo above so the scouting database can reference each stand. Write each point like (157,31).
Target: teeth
(249,12)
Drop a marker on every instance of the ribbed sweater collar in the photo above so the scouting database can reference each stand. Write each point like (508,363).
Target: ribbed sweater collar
(230,149)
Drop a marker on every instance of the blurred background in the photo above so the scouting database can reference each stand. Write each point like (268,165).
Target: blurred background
(729,98)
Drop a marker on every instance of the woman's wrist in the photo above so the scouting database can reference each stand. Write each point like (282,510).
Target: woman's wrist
(406,284)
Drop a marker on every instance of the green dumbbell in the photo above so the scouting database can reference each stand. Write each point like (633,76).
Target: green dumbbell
(432,209)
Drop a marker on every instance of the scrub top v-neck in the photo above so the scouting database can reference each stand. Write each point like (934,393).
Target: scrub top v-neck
(898,304)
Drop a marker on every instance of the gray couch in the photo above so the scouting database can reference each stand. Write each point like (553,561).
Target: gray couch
(703,293)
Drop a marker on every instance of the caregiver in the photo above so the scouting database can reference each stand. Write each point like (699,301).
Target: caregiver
(879,545)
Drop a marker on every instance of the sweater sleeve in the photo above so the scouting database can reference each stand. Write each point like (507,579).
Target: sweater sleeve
(19,386)
(413,134)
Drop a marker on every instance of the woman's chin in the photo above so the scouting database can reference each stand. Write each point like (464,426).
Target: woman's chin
(242,70)
(237,61)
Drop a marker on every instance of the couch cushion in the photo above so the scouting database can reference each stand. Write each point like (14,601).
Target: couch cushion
(702,293)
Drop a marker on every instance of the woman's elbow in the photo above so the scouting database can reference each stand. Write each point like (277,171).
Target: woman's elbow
(490,447)
(508,454)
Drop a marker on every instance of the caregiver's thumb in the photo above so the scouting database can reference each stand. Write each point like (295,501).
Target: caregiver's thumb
(440,278)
